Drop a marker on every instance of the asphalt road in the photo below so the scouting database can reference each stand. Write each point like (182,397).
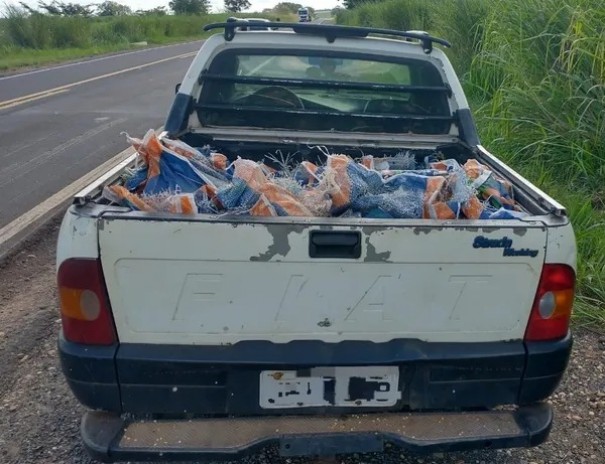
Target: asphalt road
(58,123)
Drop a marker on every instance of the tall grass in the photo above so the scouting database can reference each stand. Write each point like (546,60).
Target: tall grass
(34,38)
(39,31)
(534,72)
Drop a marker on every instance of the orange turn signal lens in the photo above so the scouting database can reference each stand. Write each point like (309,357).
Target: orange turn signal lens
(80,304)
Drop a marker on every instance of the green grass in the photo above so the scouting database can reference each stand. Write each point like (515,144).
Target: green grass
(23,57)
(534,72)
(16,58)
(34,40)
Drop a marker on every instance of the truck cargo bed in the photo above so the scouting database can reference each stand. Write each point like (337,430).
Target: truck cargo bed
(221,279)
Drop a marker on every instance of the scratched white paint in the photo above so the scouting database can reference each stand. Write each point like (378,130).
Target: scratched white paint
(216,283)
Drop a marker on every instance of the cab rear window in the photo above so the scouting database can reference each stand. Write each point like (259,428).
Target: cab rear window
(305,91)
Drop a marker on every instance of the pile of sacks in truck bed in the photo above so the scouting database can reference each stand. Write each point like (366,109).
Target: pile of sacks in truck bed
(173,177)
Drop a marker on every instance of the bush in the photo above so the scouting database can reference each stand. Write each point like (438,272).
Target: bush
(72,32)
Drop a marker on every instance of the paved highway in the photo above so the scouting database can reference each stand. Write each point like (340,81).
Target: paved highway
(58,123)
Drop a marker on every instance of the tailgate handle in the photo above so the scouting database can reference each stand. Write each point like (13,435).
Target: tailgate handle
(329,244)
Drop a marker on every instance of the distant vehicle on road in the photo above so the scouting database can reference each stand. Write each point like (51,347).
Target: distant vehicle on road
(303,15)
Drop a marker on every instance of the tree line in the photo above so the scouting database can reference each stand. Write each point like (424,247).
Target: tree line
(350,4)
(287,8)
(178,7)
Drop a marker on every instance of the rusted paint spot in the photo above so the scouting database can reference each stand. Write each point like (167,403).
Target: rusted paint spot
(277,375)
(520,231)
(423,230)
(372,256)
(281,243)
(375,230)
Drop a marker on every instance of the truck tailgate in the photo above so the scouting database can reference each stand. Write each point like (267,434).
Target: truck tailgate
(211,282)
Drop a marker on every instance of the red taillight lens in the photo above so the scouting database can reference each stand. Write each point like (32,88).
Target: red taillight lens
(549,319)
(85,310)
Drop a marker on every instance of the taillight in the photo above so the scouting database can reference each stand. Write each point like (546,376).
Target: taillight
(85,310)
(549,319)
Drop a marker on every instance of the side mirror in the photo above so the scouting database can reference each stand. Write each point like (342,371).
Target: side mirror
(176,88)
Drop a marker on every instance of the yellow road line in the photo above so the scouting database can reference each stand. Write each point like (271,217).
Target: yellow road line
(63,88)
(30,98)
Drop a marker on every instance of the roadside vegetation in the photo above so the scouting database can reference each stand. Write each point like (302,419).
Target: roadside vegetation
(58,31)
(29,40)
(534,71)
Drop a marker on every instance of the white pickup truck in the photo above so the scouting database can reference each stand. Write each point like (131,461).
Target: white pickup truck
(213,336)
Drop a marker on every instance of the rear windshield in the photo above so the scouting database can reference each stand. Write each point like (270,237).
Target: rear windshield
(305,91)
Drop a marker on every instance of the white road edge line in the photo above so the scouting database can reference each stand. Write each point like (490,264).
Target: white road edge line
(38,212)
(94,60)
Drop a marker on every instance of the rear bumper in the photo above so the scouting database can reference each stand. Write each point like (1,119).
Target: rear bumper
(224,380)
(109,438)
